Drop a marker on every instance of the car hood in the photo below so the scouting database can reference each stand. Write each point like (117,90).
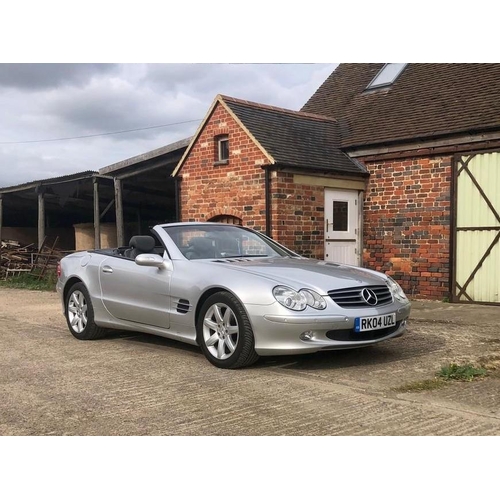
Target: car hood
(301,273)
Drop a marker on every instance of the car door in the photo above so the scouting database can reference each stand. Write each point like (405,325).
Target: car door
(135,293)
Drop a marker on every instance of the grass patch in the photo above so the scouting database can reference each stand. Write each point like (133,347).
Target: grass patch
(29,282)
(461,372)
(444,376)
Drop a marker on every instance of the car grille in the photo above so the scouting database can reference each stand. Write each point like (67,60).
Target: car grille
(350,335)
(353,297)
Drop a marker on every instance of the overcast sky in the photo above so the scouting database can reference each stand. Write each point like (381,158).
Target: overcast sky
(44,102)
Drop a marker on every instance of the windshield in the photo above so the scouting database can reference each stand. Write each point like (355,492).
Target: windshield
(223,241)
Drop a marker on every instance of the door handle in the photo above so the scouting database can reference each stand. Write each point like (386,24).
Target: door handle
(107,269)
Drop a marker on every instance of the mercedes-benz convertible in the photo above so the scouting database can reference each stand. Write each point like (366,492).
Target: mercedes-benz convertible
(232,291)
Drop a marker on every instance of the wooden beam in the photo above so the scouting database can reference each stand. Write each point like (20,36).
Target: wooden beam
(97,219)
(108,206)
(1,221)
(41,218)
(463,141)
(119,213)
(153,165)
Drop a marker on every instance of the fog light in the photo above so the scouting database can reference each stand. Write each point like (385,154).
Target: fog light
(306,336)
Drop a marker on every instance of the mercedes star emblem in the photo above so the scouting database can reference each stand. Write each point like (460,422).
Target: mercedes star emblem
(369,296)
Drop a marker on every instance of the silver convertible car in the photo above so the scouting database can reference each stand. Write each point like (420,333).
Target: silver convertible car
(233,291)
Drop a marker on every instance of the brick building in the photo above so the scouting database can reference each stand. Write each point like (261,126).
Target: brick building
(267,168)
(395,167)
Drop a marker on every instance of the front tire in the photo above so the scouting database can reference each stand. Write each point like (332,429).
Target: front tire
(224,332)
(80,314)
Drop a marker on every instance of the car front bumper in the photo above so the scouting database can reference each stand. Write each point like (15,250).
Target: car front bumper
(281,334)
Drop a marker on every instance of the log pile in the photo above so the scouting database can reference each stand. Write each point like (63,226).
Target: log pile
(16,259)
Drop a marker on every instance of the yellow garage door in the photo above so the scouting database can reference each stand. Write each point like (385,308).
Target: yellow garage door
(477,246)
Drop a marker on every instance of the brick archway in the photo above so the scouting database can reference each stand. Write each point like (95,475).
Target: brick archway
(227,219)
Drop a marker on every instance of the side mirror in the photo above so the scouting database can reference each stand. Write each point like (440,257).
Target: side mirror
(152,260)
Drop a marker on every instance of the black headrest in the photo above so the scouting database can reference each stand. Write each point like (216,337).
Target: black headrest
(143,243)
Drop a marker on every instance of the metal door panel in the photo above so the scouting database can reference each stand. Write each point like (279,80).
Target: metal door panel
(135,293)
(477,248)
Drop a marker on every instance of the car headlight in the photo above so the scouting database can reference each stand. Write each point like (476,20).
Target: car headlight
(396,290)
(298,301)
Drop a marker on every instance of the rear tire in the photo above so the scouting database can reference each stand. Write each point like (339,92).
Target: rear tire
(80,314)
(224,332)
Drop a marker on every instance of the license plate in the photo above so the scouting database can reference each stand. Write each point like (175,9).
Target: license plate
(374,322)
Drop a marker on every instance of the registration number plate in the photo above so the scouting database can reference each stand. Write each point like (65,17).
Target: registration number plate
(374,322)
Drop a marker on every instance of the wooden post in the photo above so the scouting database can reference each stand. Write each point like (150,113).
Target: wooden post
(97,215)
(41,217)
(1,222)
(119,212)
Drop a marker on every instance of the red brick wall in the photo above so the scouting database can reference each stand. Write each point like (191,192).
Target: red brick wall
(407,223)
(298,215)
(208,190)
(238,189)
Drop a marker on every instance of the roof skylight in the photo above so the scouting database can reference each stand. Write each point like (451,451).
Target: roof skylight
(387,75)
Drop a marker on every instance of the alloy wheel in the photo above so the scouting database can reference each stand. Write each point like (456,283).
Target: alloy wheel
(220,331)
(77,311)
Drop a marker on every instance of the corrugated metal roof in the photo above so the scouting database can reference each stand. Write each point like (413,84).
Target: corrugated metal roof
(51,180)
(155,153)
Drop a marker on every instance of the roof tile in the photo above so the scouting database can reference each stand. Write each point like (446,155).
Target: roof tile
(426,101)
(294,138)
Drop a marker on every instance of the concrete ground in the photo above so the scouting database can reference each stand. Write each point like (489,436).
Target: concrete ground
(132,384)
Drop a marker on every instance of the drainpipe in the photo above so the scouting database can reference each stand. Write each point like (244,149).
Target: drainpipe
(267,181)
(177,181)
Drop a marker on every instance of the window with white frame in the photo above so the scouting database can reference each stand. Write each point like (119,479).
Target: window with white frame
(387,75)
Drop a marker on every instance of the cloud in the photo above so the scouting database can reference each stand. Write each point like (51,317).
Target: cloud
(50,75)
(41,102)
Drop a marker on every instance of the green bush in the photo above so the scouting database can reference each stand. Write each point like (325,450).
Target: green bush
(461,372)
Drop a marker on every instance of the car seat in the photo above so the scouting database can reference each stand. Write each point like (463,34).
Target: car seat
(201,248)
(139,245)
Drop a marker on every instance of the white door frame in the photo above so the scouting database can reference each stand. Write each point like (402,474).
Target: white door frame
(343,232)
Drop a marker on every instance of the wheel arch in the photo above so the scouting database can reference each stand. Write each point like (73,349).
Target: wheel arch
(203,298)
(67,287)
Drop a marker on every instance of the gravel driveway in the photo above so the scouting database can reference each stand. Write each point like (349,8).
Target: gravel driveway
(134,384)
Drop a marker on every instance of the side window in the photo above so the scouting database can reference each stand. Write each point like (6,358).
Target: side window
(340,215)
(222,148)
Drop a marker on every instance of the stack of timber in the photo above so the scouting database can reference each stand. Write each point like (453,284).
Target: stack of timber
(17,259)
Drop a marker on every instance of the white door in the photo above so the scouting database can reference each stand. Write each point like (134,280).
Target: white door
(341,226)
